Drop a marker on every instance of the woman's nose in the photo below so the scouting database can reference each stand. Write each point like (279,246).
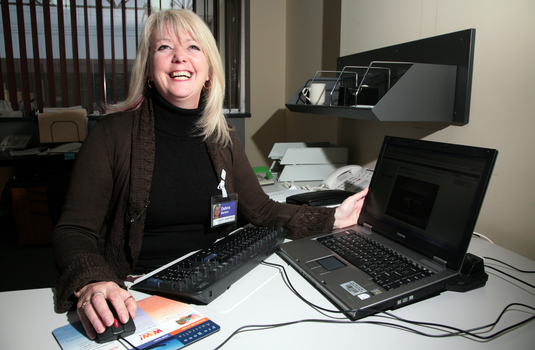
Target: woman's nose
(179,56)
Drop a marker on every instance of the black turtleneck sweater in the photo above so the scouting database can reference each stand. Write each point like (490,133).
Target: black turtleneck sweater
(184,180)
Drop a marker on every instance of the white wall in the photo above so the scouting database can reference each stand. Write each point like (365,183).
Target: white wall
(290,41)
(267,76)
(502,114)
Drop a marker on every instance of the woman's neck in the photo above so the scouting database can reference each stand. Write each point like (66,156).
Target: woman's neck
(174,120)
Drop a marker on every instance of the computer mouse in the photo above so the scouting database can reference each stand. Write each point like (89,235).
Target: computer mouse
(117,329)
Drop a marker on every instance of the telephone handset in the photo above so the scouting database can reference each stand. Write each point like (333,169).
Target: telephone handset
(340,184)
(15,141)
(350,177)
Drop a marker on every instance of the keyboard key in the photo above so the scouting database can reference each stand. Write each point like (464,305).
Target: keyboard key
(208,273)
(387,268)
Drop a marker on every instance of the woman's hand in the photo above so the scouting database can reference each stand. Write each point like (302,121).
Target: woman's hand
(93,309)
(348,212)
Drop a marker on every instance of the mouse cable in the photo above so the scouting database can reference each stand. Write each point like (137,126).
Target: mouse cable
(127,342)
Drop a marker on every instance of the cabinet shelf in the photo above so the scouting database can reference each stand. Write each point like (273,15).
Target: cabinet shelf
(427,80)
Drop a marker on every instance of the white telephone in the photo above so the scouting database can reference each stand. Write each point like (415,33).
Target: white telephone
(15,141)
(350,177)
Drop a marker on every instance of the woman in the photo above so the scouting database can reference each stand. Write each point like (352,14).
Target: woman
(141,188)
(217,211)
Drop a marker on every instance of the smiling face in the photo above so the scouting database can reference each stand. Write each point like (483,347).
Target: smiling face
(178,68)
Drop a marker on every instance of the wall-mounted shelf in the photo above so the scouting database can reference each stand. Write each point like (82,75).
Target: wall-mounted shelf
(424,80)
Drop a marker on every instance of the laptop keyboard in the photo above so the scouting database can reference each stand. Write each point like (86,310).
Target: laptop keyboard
(386,267)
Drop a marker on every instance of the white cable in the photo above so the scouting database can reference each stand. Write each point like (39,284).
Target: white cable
(479,235)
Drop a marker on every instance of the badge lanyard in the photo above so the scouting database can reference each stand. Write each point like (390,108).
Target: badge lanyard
(224,207)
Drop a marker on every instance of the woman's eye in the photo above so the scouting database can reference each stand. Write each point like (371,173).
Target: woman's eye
(163,47)
(195,47)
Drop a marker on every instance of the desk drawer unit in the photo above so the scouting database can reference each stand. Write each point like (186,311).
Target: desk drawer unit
(32,216)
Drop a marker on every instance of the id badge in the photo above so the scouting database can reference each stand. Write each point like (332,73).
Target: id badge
(224,209)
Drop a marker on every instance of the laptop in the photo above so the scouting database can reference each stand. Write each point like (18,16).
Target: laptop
(418,218)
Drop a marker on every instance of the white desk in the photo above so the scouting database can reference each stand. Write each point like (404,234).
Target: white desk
(261,297)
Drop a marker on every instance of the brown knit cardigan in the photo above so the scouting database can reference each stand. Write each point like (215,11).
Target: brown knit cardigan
(99,234)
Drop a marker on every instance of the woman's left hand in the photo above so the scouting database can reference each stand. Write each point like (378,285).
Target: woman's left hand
(348,212)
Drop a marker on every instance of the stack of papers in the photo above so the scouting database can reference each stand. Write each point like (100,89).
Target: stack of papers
(7,111)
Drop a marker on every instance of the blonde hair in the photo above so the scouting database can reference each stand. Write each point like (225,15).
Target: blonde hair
(212,122)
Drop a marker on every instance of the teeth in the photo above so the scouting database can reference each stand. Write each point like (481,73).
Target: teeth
(180,75)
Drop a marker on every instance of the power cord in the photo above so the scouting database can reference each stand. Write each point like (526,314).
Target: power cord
(447,331)
(506,264)
(479,235)
(470,332)
(286,280)
(509,275)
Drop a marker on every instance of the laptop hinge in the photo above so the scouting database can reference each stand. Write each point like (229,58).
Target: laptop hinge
(367,226)
(440,261)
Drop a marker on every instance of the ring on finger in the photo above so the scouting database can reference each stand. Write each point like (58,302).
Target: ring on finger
(130,297)
(84,304)
(92,295)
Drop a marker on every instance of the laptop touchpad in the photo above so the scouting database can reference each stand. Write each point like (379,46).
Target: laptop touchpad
(331,263)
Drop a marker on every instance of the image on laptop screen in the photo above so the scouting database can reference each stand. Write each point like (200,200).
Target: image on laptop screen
(422,193)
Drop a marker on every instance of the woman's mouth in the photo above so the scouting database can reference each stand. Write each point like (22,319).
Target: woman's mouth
(180,75)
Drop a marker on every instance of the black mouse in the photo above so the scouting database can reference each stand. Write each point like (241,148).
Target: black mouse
(117,329)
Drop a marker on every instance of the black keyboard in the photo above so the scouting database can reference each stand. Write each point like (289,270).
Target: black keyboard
(205,275)
(386,267)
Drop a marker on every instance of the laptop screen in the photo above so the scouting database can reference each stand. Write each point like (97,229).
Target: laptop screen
(427,195)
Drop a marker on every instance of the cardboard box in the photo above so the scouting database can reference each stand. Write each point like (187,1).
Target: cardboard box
(62,125)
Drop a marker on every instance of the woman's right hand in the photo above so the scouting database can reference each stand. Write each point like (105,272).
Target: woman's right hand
(93,309)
